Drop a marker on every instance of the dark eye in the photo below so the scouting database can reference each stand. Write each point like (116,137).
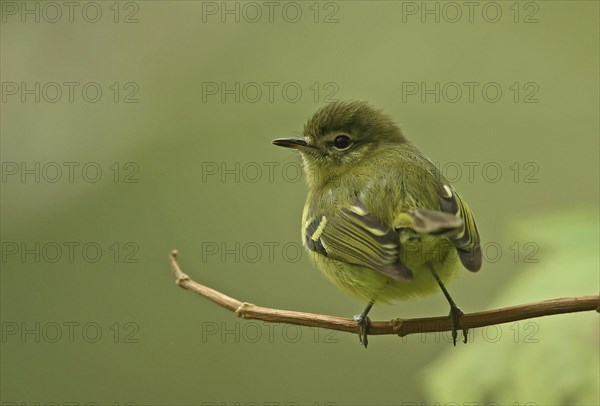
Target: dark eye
(342,142)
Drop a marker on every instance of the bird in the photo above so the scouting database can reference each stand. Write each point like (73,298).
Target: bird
(380,220)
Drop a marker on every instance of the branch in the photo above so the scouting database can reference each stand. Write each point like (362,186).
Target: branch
(401,327)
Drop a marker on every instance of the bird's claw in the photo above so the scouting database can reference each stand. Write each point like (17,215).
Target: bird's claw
(455,314)
(363,323)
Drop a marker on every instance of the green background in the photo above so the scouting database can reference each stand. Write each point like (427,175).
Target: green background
(162,345)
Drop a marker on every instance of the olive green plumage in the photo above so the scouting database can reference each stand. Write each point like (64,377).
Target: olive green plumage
(379,216)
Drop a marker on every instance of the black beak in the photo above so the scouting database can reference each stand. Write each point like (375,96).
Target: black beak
(296,143)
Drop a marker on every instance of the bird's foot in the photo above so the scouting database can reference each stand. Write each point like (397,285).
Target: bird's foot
(363,323)
(455,314)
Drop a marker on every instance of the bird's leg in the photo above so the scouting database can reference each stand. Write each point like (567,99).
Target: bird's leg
(363,322)
(455,311)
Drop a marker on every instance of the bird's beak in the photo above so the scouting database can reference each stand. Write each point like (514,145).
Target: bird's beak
(296,143)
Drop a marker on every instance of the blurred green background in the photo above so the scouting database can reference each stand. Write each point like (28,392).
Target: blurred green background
(185,165)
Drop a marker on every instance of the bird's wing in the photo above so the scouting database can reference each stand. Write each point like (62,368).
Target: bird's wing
(466,239)
(356,237)
(455,221)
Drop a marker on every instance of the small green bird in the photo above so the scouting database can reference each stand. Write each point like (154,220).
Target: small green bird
(380,220)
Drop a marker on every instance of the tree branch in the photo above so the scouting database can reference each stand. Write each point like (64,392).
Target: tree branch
(401,327)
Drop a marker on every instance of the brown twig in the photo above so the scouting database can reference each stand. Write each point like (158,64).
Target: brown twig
(401,327)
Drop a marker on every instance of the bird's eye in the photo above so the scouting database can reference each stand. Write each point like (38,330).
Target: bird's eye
(342,142)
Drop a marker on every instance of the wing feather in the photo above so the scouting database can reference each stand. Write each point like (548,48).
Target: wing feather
(356,237)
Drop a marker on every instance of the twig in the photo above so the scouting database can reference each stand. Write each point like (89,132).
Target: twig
(401,327)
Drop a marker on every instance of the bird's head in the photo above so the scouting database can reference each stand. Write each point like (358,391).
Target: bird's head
(340,135)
